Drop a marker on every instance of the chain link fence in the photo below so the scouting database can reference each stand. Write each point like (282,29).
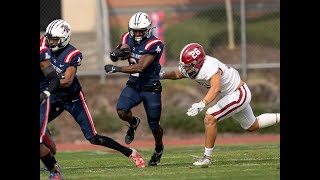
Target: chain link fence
(248,37)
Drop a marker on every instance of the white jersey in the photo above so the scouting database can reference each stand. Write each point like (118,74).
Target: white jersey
(230,77)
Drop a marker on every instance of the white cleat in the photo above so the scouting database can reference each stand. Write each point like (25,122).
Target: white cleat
(203,161)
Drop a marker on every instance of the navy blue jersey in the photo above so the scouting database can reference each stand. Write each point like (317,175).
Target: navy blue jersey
(150,76)
(61,60)
(45,54)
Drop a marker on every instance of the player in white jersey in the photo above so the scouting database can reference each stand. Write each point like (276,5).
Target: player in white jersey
(224,85)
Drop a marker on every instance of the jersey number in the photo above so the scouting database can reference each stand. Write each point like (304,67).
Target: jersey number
(195,53)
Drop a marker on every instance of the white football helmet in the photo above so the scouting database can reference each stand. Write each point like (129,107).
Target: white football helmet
(59,32)
(142,22)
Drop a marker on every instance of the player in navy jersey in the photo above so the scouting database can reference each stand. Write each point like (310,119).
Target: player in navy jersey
(69,97)
(143,51)
(49,81)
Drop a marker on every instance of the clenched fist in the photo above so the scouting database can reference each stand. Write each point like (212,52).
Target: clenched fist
(109,68)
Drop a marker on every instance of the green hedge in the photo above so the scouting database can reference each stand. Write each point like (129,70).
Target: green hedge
(175,119)
(209,29)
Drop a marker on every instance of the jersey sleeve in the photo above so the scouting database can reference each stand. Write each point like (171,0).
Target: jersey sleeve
(210,68)
(44,53)
(154,46)
(124,38)
(74,58)
(42,41)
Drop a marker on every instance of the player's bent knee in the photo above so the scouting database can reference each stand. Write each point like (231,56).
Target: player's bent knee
(96,140)
(44,150)
(49,142)
(154,126)
(209,120)
(158,133)
(122,114)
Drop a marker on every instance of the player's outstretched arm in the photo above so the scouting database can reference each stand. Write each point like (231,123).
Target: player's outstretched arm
(143,63)
(173,75)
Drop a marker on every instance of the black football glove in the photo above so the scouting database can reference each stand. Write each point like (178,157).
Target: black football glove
(120,54)
(43,96)
(109,68)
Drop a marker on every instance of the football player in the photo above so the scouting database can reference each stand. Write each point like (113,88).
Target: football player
(221,81)
(142,50)
(49,81)
(70,97)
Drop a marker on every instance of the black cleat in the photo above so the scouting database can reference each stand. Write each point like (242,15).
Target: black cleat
(130,133)
(155,158)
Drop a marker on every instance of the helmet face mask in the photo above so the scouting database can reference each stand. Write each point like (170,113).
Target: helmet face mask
(140,27)
(58,34)
(192,58)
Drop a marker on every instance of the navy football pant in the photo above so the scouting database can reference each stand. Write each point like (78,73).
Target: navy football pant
(131,97)
(44,113)
(79,111)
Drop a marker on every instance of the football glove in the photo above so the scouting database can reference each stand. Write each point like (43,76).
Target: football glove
(109,68)
(161,74)
(195,108)
(120,54)
(43,96)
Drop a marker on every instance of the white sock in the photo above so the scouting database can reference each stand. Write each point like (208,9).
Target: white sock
(268,119)
(208,151)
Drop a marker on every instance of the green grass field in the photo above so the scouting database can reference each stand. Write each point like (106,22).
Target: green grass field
(238,161)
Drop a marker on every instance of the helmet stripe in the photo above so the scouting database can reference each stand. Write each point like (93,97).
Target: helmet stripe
(51,25)
(55,23)
(138,19)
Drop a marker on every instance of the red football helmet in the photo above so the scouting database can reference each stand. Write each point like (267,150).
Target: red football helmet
(192,58)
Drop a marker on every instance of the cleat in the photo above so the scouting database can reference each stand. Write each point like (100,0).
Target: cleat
(155,158)
(55,176)
(137,159)
(44,168)
(130,133)
(203,161)
(57,165)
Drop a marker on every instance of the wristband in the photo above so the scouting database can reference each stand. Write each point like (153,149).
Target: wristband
(205,102)
(161,74)
(118,69)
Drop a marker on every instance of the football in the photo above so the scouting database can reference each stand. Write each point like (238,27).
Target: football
(127,52)
(125,46)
